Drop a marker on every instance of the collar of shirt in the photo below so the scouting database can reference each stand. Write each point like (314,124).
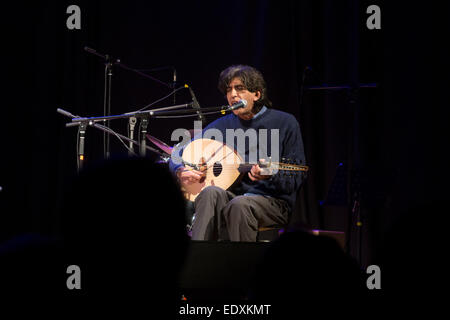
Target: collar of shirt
(263,109)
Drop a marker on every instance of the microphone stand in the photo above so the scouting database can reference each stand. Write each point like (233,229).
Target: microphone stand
(82,125)
(142,132)
(80,143)
(84,122)
(109,63)
(222,109)
(144,116)
(354,191)
(131,123)
(107,101)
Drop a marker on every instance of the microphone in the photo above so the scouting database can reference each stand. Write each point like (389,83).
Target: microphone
(240,104)
(196,105)
(66,113)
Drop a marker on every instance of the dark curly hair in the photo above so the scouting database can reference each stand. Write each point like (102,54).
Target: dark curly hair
(251,78)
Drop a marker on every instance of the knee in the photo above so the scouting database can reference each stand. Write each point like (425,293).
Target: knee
(237,207)
(239,201)
(209,192)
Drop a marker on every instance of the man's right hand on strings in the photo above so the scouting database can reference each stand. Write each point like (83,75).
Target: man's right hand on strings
(188,176)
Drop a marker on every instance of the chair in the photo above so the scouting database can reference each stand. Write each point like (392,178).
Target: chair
(267,234)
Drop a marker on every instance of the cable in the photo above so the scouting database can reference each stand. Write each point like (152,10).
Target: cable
(118,137)
(159,100)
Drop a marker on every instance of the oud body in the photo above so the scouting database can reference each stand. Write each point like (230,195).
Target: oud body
(218,161)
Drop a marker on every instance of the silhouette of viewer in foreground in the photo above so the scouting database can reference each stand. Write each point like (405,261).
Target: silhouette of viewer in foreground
(302,272)
(123,225)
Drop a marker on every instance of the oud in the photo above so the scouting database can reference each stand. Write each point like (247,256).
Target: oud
(222,166)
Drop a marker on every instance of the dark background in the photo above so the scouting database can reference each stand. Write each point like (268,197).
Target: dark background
(388,136)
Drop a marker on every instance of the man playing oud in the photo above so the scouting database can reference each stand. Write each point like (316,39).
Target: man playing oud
(259,199)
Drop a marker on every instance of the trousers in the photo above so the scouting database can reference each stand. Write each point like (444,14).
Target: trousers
(222,215)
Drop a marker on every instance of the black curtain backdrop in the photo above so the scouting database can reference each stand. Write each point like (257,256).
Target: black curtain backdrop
(384,135)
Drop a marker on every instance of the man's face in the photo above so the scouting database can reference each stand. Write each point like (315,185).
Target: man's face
(236,91)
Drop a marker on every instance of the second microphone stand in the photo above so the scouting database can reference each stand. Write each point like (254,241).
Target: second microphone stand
(109,63)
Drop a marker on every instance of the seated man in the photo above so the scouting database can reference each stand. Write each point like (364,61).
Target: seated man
(260,199)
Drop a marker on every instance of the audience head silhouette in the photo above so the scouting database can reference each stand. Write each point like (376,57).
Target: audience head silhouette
(123,225)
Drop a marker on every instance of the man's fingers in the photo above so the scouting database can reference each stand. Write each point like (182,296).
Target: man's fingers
(255,170)
(255,174)
(194,173)
(191,176)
